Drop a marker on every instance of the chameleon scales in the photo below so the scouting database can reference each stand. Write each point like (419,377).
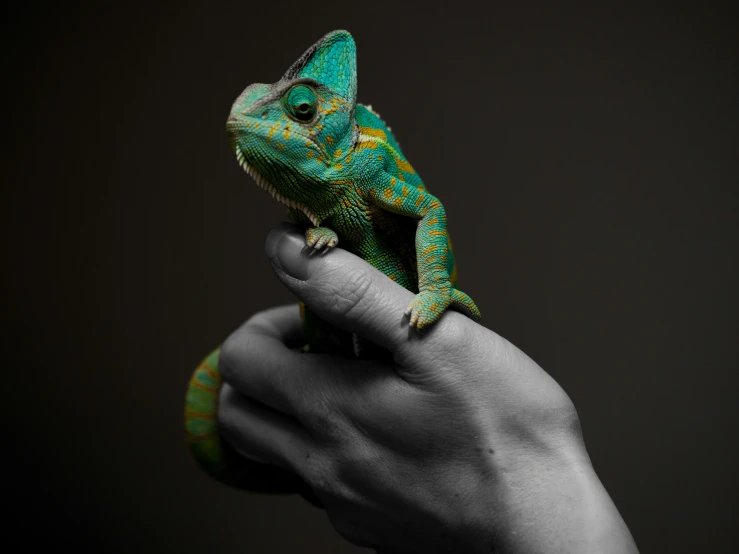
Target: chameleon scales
(340,171)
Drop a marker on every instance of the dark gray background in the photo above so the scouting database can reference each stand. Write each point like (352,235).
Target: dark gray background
(587,159)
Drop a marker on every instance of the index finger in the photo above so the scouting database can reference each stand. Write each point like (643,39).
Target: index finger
(258,361)
(258,353)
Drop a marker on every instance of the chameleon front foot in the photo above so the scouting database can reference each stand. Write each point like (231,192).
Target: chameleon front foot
(319,238)
(428,305)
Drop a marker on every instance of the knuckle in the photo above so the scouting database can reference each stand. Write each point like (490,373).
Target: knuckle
(319,473)
(453,331)
(327,422)
(342,501)
(450,349)
(327,479)
(226,419)
(240,348)
(559,415)
(355,459)
(231,352)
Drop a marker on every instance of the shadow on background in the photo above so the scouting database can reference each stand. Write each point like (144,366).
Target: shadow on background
(588,164)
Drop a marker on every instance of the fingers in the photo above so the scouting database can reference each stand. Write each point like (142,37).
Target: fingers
(281,322)
(258,431)
(257,359)
(317,391)
(341,288)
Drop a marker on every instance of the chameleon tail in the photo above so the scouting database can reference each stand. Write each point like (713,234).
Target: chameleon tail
(215,456)
(201,407)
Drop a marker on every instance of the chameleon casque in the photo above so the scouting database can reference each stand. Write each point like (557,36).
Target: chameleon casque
(340,172)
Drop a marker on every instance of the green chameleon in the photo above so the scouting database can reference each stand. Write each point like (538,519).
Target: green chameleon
(340,172)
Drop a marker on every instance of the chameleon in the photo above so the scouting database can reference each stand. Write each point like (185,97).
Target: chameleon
(341,173)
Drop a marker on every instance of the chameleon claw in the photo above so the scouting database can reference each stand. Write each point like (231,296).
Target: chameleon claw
(320,239)
(414,320)
(428,306)
(409,311)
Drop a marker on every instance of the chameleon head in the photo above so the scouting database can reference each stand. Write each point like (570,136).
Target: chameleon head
(290,136)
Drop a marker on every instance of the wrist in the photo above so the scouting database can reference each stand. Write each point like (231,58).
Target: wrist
(544,498)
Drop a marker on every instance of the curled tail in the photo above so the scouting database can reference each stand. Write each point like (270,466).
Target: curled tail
(201,409)
(215,456)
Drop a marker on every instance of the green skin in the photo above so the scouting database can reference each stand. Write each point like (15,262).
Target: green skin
(340,171)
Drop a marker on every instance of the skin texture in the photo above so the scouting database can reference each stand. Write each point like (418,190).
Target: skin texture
(457,442)
(340,171)
(447,439)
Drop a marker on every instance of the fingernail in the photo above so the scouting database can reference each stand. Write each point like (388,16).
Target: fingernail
(283,247)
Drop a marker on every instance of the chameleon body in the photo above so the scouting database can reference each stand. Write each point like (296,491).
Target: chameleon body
(340,171)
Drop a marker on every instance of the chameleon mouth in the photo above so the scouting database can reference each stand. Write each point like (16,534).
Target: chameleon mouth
(269,187)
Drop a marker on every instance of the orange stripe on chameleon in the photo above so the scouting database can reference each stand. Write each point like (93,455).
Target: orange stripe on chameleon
(191,438)
(200,415)
(379,133)
(272,130)
(334,107)
(366,144)
(210,370)
(194,384)
(404,166)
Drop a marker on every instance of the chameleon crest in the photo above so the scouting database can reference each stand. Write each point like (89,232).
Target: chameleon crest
(292,136)
(340,172)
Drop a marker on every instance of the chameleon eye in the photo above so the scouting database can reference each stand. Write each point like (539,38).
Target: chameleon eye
(301,103)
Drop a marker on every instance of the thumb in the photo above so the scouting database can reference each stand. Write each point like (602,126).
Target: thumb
(341,288)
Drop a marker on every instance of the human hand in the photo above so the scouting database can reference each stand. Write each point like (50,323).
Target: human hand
(459,443)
